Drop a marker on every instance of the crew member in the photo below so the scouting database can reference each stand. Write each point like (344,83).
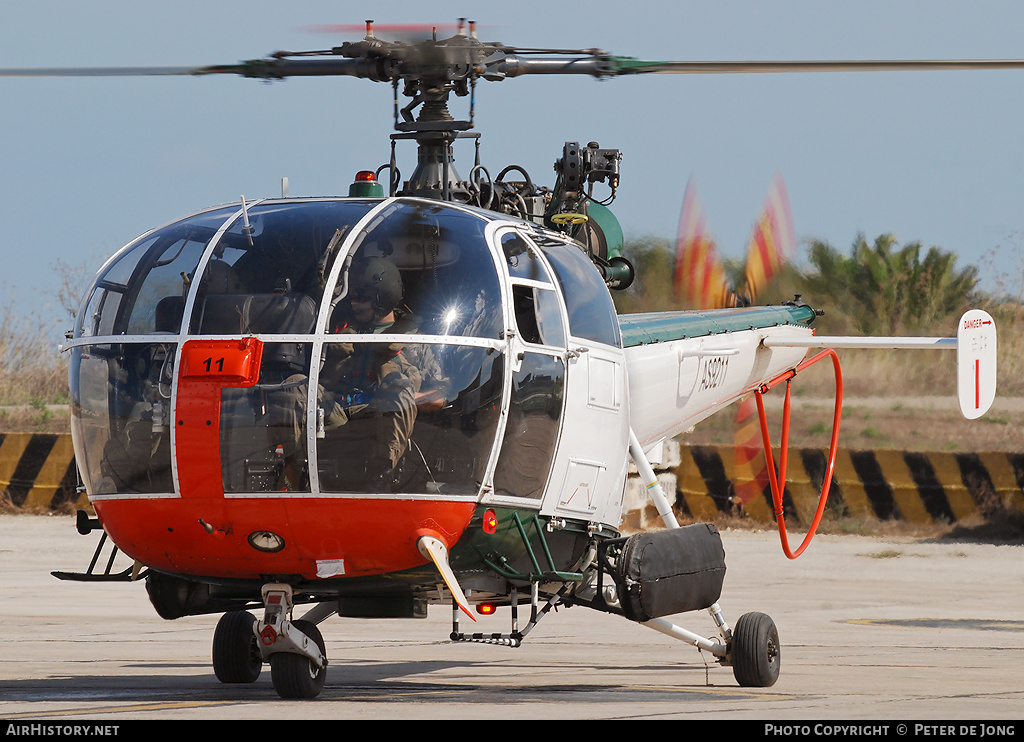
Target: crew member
(369,389)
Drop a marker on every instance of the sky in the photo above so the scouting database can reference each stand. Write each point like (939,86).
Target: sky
(86,165)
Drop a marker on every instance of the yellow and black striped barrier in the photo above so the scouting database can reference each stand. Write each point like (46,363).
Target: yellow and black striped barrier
(920,488)
(38,473)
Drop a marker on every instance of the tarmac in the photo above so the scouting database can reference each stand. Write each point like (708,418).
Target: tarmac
(874,631)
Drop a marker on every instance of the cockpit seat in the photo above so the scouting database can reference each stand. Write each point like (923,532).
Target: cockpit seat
(265,314)
(254,314)
(169,312)
(263,443)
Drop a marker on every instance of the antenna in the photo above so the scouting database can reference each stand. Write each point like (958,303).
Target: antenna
(246,228)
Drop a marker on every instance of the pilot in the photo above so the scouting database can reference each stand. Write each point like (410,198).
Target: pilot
(369,390)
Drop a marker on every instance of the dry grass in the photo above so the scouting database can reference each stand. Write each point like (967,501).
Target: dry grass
(890,396)
(33,374)
(914,409)
(916,373)
(908,424)
(897,399)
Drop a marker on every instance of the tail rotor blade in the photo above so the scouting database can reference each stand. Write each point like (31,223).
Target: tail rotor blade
(773,242)
(751,466)
(772,245)
(700,278)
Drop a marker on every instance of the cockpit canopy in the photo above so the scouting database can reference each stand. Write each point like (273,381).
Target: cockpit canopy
(385,361)
(289,249)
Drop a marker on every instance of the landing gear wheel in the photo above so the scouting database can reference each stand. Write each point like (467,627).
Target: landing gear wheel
(755,651)
(236,651)
(294,675)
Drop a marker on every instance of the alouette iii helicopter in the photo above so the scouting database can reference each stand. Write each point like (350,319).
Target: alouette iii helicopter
(287,409)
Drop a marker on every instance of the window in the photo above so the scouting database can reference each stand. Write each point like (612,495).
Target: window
(270,277)
(591,311)
(447,282)
(534,417)
(143,289)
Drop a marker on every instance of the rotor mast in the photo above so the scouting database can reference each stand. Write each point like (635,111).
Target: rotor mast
(426,72)
(429,76)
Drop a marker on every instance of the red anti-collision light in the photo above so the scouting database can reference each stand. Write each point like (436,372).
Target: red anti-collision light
(486,609)
(366,176)
(490,524)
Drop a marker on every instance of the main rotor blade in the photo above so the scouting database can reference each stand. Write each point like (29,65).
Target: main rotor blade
(631,66)
(267,69)
(99,71)
(513,65)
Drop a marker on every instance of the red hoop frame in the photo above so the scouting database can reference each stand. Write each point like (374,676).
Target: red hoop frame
(773,478)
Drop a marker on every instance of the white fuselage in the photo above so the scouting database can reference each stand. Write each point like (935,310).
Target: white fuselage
(675,385)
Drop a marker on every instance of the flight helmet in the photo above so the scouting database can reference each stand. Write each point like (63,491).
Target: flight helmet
(376,280)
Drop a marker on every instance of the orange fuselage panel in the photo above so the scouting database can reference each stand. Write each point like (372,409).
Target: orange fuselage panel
(340,537)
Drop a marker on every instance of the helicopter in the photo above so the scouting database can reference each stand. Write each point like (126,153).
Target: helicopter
(288,409)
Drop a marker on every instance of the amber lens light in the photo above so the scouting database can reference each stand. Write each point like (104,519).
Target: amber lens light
(266,541)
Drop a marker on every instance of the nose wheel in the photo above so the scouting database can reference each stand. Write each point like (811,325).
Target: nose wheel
(295,649)
(297,675)
(236,650)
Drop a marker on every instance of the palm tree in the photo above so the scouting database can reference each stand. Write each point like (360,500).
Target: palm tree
(882,288)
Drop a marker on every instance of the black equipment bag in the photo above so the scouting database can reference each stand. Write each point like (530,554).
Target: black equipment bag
(669,572)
